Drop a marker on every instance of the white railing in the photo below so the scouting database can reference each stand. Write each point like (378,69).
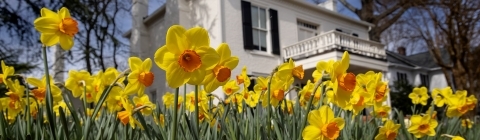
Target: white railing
(334,40)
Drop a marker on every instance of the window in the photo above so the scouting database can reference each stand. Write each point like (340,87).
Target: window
(306,30)
(253,82)
(402,77)
(425,80)
(260,28)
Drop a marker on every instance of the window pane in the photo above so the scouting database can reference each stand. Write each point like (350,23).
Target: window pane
(263,38)
(254,16)
(263,18)
(255,37)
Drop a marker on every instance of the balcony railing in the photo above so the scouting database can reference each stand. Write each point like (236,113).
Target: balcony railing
(334,40)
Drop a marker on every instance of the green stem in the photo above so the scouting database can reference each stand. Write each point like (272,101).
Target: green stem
(175,115)
(196,110)
(48,96)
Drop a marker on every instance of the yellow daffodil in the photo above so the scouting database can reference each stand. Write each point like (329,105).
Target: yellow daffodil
(343,83)
(388,131)
(323,125)
(243,78)
(140,77)
(61,105)
(421,126)
(56,27)
(288,70)
(440,96)
(169,98)
(77,80)
(381,111)
(114,99)
(381,89)
(40,92)
(306,92)
(252,99)
(126,116)
(15,102)
(467,123)
(143,100)
(230,88)
(459,104)
(220,75)
(202,100)
(278,89)
(261,85)
(419,96)
(7,71)
(186,56)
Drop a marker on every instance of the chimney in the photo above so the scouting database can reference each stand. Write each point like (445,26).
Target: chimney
(401,50)
(329,4)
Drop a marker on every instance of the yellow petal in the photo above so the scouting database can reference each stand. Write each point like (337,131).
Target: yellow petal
(326,114)
(197,77)
(132,88)
(340,122)
(135,63)
(49,39)
(176,76)
(209,57)
(345,62)
(198,36)
(311,133)
(66,42)
(35,82)
(176,42)
(224,51)
(47,24)
(314,118)
(44,12)
(147,64)
(64,13)
(231,63)
(163,58)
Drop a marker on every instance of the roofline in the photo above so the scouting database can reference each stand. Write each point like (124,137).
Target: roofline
(150,18)
(410,67)
(324,10)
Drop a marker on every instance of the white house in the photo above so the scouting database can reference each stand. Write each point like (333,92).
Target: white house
(418,69)
(263,34)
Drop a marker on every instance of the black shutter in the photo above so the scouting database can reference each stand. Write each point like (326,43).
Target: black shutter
(274,31)
(247,25)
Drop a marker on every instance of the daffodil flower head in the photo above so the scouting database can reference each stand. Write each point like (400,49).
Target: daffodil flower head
(56,27)
(421,126)
(77,81)
(140,77)
(40,91)
(288,70)
(186,56)
(419,95)
(243,77)
(220,75)
(143,100)
(323,125)
(388,131)
(230,88)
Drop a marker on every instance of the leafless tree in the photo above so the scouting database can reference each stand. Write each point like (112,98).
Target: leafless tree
(452,27)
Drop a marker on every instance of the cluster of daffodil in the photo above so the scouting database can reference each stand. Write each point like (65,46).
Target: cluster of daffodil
(115,106)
